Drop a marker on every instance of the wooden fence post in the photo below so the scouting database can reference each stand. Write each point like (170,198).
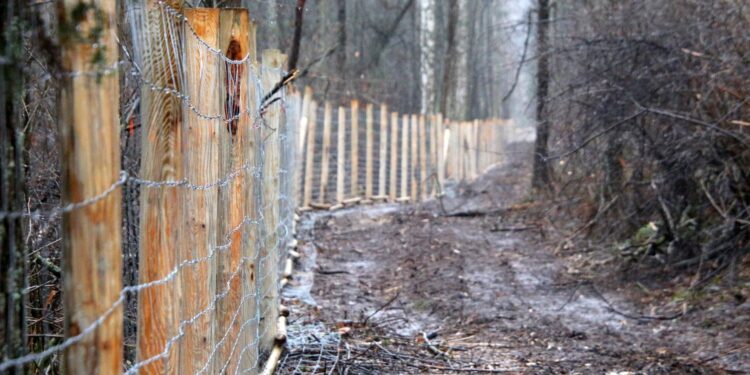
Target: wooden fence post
(310,153)
(474,148)
(368,151)
(304,125)
(341,156)
(234,25)
(414,160)
(464,152)
(392,194)
(160,207)
(442,149)
(422,159)
(383,154)
(198,282)
(404,157)
(455,151)
(90,136)
(327,114)
(252,151)
(272,61)
(433,155)
(354,172)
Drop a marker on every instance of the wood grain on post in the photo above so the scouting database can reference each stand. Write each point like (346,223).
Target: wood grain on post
(414,160)
(200,152)
(474,148)
(325,157)
(422,159)
(90,137)
(272,61)
(354,172)
(383,152)
(404,156)
(461,154)
(251,150)
(303,128)
(432,153)
(230,263)
(454,160)
(442,148)
(369,138)
(310,153)
(160,207)
(341,156)
(392,194)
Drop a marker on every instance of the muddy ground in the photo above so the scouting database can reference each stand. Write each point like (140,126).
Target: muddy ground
(475,283)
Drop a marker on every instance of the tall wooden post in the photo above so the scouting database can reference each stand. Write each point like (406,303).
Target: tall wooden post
(383,152)
(160,207)
(324,159)
(310,152)
(251,149)
(422,159)
(369,139)
(230,264)
(392,194)
(303,128)
(441,150)
(415,180)
(454,161)
(354,187)
(461,154)
(341,156)
(474,147)
(433,154)
(272,60)
(200,152)
(89,105)
(404,157)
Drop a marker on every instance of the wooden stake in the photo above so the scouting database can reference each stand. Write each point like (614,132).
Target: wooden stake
(269,253)
(414,162)
(233,39)
(90,137)
(327,114)
(392,195)
(311,116)
(201,157)
(442,149)
(301,142)
(160,207)
(383,155)
(354,187)
(433,154)
(253,191)
(404,156)
(422,158)
(341,156)
(368,151)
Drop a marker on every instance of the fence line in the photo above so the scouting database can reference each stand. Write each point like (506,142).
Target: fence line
(207,197)
(405,158)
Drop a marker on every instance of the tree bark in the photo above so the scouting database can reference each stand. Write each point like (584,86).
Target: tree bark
(540,178)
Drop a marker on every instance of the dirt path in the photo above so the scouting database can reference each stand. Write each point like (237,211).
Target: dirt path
(479,284)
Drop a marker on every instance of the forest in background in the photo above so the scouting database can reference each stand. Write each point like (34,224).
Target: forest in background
(641,108)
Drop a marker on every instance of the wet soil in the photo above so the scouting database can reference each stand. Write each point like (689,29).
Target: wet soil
(474,283)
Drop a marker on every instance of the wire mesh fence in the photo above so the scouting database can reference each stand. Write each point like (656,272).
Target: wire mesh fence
(203,179)
(161,245)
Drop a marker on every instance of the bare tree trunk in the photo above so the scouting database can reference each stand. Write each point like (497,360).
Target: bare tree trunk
(540,178)
(341,49)
(427,55)
(12,185)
